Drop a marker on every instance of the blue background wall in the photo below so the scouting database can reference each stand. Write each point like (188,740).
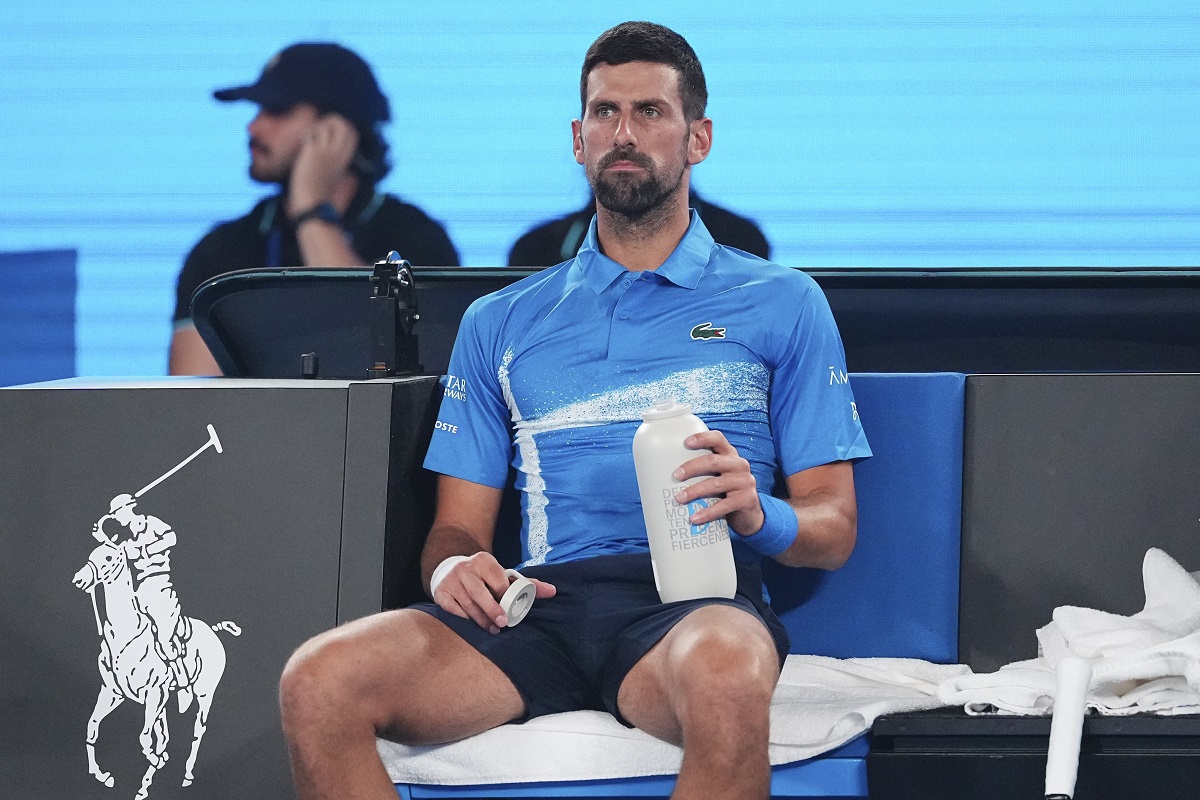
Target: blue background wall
(881,134)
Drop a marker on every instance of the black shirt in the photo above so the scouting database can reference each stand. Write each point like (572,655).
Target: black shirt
(555,241)
(377,224)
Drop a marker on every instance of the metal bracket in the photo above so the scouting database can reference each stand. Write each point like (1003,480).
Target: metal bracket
(393,319)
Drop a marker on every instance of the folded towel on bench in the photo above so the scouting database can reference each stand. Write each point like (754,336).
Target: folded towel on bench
(1146,662)
(819,704)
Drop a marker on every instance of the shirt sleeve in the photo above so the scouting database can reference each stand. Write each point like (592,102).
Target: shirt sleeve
(418,239)
(227,247)
(814,419)
(190,278)
(428,245)
(472,438)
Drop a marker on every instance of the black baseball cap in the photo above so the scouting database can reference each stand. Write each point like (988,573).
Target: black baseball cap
(327,75)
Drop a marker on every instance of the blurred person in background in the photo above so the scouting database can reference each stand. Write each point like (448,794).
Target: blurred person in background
(556,240)
(318,136)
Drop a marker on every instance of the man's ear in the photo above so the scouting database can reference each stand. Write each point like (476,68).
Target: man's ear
(362,165)
(699,140)
(577,140)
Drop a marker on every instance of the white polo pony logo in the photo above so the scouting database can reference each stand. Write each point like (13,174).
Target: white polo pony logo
(148,649)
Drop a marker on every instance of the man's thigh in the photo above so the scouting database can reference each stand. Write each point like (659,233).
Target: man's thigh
(713,643)
(418,681)
(541,656)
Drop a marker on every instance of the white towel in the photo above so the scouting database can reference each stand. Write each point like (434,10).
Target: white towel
(1149,661)
(819,704)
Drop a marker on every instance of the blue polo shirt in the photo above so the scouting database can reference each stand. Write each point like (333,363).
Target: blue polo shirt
(551,374)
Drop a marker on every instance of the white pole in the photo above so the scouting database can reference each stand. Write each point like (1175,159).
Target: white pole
(96,611)
(1066,727)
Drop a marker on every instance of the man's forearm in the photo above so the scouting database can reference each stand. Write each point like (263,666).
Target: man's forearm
(323,244)
(443,542)
(825,536)
(165,542)
(822,499)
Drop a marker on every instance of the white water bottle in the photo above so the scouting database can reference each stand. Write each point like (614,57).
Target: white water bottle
(690,561)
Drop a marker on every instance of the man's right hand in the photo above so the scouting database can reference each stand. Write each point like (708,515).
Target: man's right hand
(323,160)
(472,588)
(98,532)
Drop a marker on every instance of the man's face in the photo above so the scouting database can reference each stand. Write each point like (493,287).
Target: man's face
(125,514)
(633,140)
(276,139)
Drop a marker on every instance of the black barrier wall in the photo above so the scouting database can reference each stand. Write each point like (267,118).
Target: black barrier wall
(258,323)
(278,534)
(1068,480)
(315,507)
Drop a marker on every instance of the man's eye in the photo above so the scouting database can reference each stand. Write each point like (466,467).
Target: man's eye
(603,112)
(650,112)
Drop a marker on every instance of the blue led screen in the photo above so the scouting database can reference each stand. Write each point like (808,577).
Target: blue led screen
(874,134)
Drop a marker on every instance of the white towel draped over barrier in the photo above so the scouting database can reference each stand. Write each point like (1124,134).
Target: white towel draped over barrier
(1149,661)
(819,704)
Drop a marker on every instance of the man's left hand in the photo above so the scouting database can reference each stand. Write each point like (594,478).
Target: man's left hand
(731,484)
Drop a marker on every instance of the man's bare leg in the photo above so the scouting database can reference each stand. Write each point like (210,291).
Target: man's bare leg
(401,673)
(707,686)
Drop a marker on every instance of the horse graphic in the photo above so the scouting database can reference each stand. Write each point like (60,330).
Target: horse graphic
(132,666)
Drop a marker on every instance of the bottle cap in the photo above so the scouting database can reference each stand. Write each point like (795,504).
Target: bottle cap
(664,408)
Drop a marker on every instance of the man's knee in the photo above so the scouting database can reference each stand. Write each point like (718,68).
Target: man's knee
(310,674)
(733,665)
(403,673)
(336,670)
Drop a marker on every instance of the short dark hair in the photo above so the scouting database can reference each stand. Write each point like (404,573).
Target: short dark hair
(646,41)
(371,163)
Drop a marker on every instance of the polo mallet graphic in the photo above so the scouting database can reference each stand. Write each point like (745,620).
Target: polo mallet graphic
(213,441)
(96,611)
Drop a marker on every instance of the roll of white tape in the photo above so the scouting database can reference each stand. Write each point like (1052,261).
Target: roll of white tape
(517,601)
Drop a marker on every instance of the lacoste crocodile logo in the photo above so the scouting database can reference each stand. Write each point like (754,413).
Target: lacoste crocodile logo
(705,330)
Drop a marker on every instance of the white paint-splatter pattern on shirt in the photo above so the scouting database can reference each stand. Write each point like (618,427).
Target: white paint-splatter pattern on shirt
(714,389)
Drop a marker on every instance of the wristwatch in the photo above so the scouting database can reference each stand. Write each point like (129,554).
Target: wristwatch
(322,211)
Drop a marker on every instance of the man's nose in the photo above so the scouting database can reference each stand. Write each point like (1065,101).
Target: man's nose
(624,135)
(255,125)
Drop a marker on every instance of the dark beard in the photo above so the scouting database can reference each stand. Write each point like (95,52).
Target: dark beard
(630,195)
(260,174)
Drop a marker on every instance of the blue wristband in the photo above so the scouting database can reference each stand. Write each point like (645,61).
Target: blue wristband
(779,529)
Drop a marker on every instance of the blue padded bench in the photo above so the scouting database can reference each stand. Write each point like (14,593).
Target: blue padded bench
(897,596)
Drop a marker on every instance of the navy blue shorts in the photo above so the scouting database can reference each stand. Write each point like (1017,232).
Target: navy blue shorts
(573,650)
